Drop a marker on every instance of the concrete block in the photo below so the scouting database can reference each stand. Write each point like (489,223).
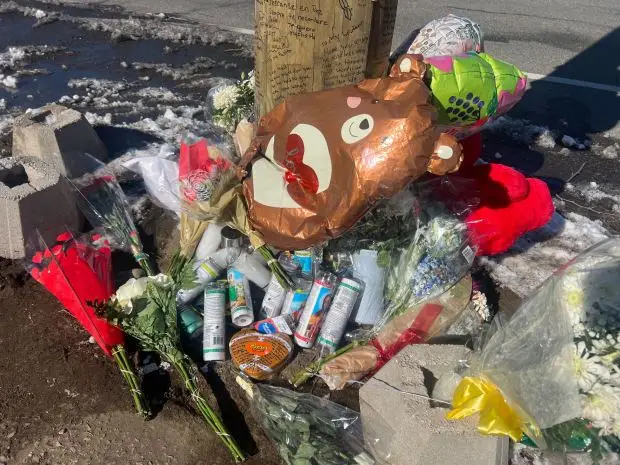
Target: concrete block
(397,412)
(33,196)
(57,135)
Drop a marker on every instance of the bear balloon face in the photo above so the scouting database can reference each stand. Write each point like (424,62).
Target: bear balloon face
(321,160)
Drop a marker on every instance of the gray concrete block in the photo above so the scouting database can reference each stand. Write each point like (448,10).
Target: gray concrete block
(33,196)
(397,412)
(58,135)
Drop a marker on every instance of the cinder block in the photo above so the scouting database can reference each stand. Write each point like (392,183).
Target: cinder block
(33,197)
(398,415)
(58,135)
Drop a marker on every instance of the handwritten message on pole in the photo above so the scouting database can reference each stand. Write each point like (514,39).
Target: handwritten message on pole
(308,45)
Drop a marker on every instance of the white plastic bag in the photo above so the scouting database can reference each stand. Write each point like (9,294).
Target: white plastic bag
(161,179)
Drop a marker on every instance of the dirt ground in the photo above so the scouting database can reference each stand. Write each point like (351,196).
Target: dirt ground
(63,402)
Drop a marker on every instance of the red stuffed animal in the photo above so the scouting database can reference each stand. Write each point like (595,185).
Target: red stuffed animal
(510,204)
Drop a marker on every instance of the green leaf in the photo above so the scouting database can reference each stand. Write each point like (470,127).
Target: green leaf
(186,278)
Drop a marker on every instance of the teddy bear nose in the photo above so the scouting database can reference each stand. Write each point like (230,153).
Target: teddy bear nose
(364,124)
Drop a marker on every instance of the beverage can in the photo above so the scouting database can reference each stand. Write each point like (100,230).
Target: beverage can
(213,340)
(274,299)
(338,315)
(316,307)
(241,309)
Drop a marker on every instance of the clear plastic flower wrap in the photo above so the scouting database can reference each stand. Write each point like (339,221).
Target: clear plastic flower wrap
(552,370)
(309,430)
(103,202)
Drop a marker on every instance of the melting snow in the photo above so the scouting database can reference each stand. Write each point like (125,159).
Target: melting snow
(538,254)
(610,152)
(521,130)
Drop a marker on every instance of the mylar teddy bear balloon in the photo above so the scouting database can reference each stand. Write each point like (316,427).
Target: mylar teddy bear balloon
(321,160)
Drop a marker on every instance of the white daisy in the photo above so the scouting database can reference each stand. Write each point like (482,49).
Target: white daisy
(601,404)
(573,298)
(589,368)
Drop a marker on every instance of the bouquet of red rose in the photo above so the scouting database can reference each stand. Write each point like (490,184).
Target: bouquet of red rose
(78,272)
(211,192)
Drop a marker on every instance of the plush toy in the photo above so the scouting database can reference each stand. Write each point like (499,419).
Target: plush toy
(510,204)
(321,160)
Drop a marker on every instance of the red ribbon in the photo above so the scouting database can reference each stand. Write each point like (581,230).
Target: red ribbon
(415,334)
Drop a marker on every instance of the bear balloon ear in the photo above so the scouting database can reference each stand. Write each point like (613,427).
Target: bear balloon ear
(447,155)
(409,66)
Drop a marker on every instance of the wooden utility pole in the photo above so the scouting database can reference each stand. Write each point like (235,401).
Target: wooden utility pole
(308,45)
(381,32)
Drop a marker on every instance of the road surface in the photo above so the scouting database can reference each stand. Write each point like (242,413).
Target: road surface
(539,36)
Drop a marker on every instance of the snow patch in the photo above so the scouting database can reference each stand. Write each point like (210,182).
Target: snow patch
(95,119)
(158,93)
(592,192)
(538,254)
(610,152)
(8,81)
(521,130)
(99,86)
(199,66)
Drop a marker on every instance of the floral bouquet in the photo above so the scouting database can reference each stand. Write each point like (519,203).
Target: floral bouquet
(231,103)
(146,309)
(78,273)
(104,204)
(310,430)
(203,172)
(436,255)
(551,375)
(211,192)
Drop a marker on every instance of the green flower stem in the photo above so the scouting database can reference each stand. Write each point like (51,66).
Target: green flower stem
(314,368)
(140,256)
(146,266)
(274,265)
(209,416)
(120,355)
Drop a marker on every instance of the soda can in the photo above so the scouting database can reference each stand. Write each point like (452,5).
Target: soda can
(315,309)
(214,325)
(338,315)
(241,309)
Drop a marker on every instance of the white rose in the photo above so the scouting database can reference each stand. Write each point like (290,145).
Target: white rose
(132,289)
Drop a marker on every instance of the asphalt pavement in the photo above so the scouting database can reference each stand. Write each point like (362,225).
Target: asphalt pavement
(537,35)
